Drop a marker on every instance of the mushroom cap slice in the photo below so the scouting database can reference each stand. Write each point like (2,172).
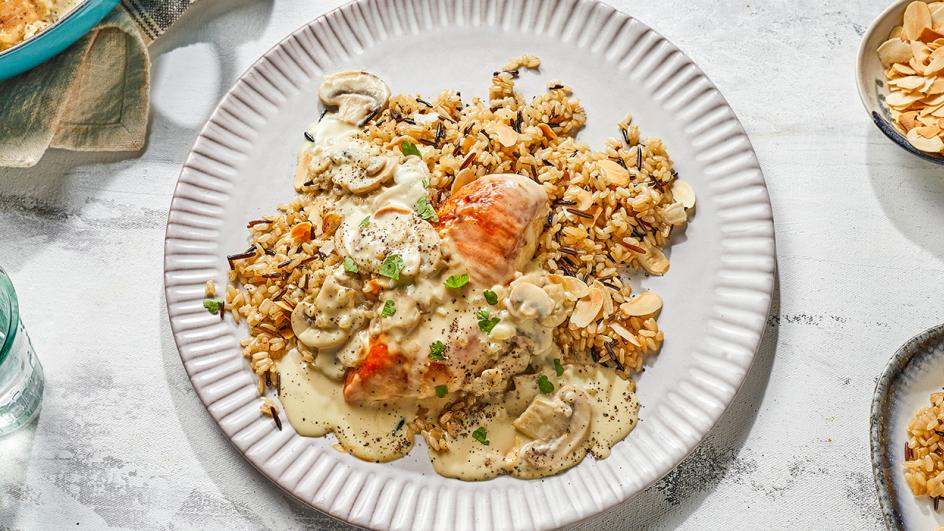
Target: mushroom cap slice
(561,424)
(357,95)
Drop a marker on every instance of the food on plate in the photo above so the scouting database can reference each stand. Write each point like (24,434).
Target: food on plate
(22,19)
(924,450)
(913,58)
(453,270)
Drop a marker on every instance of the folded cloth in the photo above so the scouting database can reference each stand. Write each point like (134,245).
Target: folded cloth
(91,97)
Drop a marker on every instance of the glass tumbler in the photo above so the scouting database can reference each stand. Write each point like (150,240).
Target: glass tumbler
(21,375)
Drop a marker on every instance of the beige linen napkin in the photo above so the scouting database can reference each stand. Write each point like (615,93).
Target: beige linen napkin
(91,97)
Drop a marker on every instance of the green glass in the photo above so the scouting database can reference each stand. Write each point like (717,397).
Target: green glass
(21,375)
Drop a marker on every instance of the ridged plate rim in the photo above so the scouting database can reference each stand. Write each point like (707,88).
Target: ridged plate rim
(366,494)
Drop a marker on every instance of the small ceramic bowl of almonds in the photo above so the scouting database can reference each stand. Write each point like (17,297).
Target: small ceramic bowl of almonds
(901,76)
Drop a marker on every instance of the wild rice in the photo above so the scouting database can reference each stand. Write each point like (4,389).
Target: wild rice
(924,450)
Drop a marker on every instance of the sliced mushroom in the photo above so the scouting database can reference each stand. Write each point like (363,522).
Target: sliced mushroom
(357,95)
(528,301)
(560,426)
(318,323)
(358,179)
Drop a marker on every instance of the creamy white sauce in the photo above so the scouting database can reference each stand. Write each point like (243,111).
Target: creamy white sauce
(484,364)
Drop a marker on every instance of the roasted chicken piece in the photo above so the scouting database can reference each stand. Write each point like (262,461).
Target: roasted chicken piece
(494,223)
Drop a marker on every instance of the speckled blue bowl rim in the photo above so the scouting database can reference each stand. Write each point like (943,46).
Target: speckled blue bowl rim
(54,39)
(883,125)
(879,437)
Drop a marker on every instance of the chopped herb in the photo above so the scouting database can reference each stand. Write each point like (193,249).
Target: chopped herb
(349,265)
(213,305)
(409,148)
(480,435)
(425,182)
(491,297)
(365,222)
(436,350)
(558,368)
(486,321)
(441,390)
(389,308)
(425,210)
(457,281)
(391,266)
(545,385)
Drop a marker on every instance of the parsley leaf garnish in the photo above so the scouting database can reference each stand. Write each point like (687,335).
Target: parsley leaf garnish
(349,265)
(491,297)
(213,305)
(545,385)
(391,266)
(436,350)
(425,182)
(365,222)
(457,281)
(441,390)
(486,321)
(409,148)
(425,210)
(480,435)
(558,368)
(389,308)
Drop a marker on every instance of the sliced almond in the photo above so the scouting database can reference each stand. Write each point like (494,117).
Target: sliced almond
(903,69)
(907,120)
(616,175)
(463,178)
(644,304)
(624,333)
(674,214)
(900,99)
(587,308)
(933,100)
(895,33)
(506,135)
(653,260)
(929,35)
(938,111)
(928,145)
(916,65)
(917,17)
(894,51)
(910,82)
(937,15)
(935,66)
(548,132)
(572,285)
(920,51)
(683,193)
(928,131)
(937,87)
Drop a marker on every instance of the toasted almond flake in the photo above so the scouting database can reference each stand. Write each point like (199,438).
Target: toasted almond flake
(548,132)
(928,131)
(622,331)
(900,99)
(653,260)
(902,69)
(917,17)
(916,66)
(937,87)
(642,305)
(683,193)
(895,33)
(572,285)
(907,120)
(920,51)
(607,298)
(587,308)
(506,135)
(616,175)
(910,82)
(937,15)
(928,145)
(933,101)
(463,178)
(929,35)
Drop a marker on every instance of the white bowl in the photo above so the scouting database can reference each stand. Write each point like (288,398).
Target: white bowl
(870,76)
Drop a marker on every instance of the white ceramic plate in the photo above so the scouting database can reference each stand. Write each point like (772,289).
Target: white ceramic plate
(717,292)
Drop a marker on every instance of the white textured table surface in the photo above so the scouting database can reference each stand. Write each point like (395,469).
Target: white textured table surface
(123,441)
